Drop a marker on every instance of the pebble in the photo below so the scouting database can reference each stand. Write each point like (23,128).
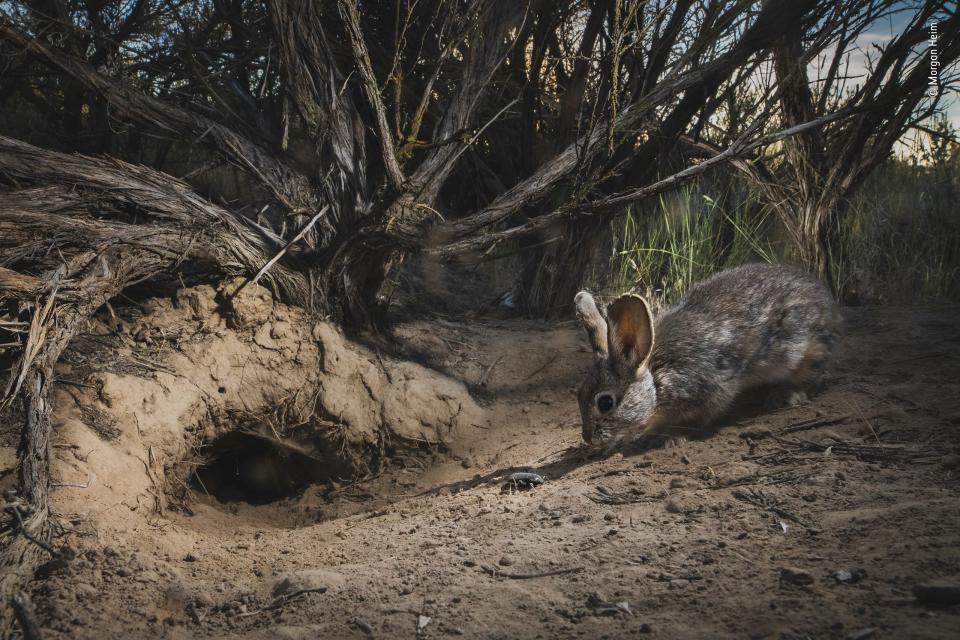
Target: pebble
(506,561)
(842,576)
(674,506)
(308,579)
(148,576)
(85,590)
(797,576)
(364,626)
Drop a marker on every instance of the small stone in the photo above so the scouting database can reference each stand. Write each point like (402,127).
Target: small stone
(364,626)
(842,576)
(577,519)
(123,572)
(678,483)
(85,590)
(506,561)
(645,628)
(467,462)
(308,580)
(796,576)
(422,622)
(612,532)
(203,600)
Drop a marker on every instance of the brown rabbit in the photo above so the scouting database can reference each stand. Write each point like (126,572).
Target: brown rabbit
(742,328)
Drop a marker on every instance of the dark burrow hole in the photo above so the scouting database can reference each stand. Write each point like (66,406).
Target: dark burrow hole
(242,467)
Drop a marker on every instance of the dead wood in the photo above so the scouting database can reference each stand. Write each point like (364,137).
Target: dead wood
(289,186)
(64,252)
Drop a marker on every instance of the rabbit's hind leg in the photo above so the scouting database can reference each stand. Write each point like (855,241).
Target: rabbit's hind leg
(808,374)
(804,380)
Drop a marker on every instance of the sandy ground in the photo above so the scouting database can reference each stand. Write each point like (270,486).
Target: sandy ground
(818,521)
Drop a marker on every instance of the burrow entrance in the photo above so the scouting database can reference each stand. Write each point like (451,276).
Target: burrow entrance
(245,467)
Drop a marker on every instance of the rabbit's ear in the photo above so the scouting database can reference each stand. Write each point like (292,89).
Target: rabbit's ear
(593,322)
(630,331)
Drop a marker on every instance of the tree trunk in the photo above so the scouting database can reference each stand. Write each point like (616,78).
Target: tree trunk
(812,225)
(554,273)
(814,249)
(26,545)
(354,279)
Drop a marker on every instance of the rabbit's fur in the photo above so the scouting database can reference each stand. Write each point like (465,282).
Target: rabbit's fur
(742,328)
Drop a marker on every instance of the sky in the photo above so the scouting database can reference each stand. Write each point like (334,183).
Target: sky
(883,32)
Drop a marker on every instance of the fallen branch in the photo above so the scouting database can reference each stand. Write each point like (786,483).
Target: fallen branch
(23,609)
(542,367)
(283,251)
(759,499)
(496,573)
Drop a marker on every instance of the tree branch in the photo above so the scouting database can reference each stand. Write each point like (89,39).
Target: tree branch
(287,185)
(615,203)
(361,57)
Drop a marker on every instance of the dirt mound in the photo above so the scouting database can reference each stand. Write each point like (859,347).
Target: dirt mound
(249,396)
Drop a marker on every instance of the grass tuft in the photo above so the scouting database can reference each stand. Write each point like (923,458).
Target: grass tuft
(897,243)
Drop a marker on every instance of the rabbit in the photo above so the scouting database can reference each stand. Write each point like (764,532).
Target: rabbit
(746,327)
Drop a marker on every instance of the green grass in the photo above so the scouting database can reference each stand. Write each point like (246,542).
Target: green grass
(898,242)
(661,250)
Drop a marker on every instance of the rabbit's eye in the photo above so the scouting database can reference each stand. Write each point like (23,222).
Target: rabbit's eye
(604,402)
